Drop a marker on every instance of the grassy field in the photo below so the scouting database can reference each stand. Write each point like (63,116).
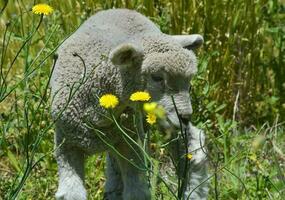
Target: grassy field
(238,94)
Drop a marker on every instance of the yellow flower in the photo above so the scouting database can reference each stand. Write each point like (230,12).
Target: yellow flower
(151,118)
(150,107)
(140,96)
(189,156)
(44,9)
(154,108)
(108,101)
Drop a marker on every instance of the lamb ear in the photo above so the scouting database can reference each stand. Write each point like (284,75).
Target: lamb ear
(126,55)
(189,41)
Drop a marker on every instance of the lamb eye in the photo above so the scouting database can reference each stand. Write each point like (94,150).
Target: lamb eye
(157,78)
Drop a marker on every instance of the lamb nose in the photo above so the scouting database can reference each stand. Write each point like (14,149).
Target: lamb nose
(185,118)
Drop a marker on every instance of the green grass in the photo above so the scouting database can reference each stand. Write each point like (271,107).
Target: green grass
(238,93)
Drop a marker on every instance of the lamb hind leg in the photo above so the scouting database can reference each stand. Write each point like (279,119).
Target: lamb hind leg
(71,173)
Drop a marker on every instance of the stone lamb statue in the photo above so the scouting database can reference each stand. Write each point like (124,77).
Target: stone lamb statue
(119,51)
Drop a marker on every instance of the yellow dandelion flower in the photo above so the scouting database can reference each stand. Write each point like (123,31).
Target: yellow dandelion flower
(189,156)
(150,107)
(108,101)
(154,108)
(140,96)
(151,118)
(44,9)
(160,112)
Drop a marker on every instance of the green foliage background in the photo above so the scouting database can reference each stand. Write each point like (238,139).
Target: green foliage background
(238,93)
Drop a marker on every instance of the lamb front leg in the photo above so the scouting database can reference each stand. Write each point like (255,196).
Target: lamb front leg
(114,183)
(71,172)
(135,180)
(197,185)
(193,184)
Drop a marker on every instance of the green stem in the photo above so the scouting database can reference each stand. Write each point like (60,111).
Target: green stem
(21,48)
(130,138)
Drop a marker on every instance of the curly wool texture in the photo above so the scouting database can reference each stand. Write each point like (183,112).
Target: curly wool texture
(181,61)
